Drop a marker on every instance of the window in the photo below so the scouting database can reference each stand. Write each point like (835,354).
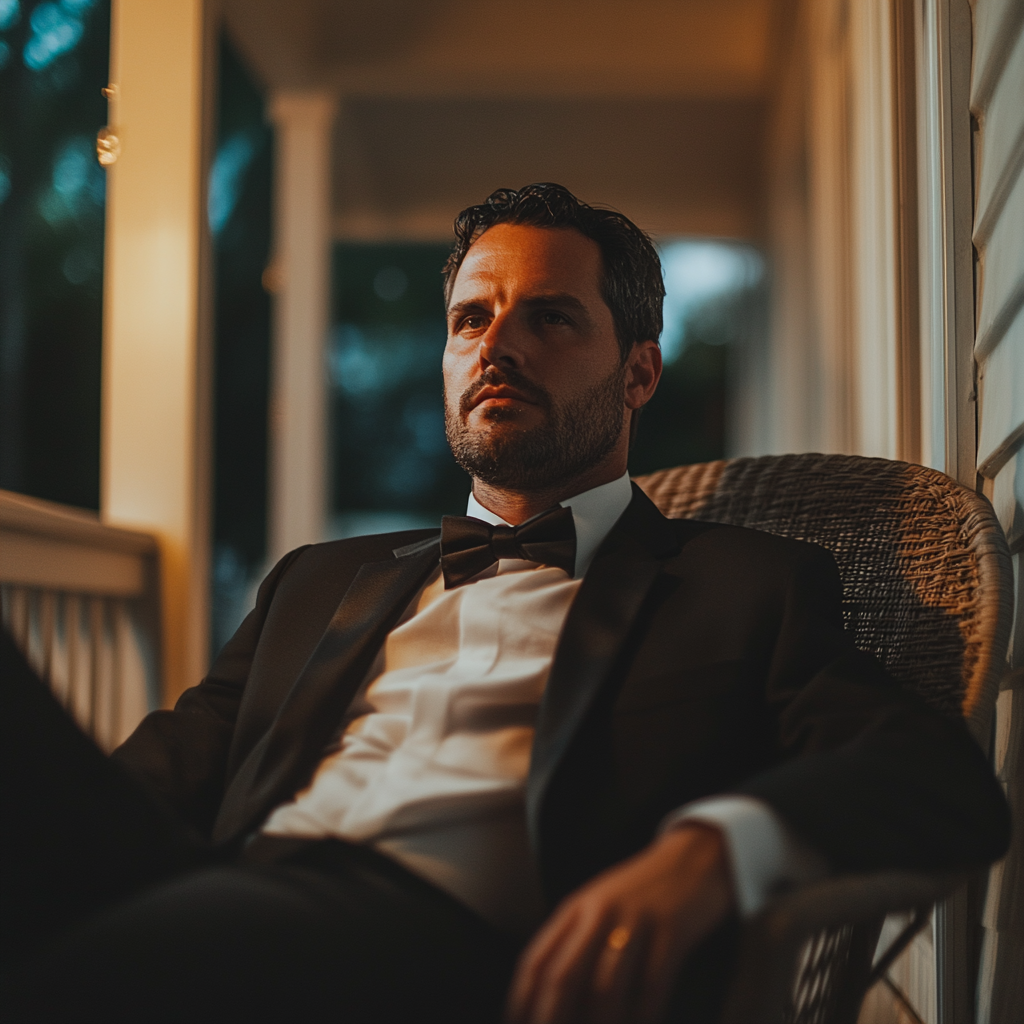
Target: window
(239,212)
(392,468)
(391,465)
(714,300)
(54,60)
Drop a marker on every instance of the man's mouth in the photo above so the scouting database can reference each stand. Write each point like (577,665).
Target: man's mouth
(498,395)
(497,390)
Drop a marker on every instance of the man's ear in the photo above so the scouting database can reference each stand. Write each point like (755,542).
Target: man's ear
(643,371)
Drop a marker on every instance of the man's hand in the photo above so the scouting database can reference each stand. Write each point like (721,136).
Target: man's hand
(611,951)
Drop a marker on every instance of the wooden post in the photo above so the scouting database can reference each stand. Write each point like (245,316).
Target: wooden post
(155,427)
(301,282)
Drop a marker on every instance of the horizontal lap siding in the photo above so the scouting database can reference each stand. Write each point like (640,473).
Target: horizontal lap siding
(1001,270)
(1002,142)
(1001,390)
(997,96)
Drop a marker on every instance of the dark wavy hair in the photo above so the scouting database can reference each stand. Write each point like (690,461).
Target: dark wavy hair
(631,283)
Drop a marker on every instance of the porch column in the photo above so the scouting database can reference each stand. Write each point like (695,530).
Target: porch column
(155,404)
(300,279)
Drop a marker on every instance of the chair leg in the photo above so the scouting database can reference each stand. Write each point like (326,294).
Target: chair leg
(858,975)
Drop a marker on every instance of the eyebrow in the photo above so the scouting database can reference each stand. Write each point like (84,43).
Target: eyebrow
(564,300)
(458,308)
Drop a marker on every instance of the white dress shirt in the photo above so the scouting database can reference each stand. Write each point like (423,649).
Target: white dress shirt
(432,768)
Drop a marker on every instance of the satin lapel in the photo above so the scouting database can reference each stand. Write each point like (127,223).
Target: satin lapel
(602,614)
(284,759)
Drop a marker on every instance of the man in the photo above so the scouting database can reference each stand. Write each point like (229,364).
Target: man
(563,745)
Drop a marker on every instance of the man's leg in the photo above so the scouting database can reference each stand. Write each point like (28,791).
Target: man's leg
(78,833)
(340,933)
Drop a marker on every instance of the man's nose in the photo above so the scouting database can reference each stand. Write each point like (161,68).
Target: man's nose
(501,344)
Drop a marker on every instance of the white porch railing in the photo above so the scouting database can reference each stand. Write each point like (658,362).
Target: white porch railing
(82,601)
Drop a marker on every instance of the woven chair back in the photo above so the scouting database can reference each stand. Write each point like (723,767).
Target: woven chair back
(927,588)
(926,571)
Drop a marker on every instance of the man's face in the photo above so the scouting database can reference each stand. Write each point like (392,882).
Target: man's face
(534,384)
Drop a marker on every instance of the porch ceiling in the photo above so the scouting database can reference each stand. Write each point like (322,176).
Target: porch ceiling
(655,107)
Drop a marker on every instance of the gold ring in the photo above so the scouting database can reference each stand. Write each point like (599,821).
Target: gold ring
(618,937)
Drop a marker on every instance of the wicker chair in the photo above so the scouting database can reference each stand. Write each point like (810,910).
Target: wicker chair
(928,589)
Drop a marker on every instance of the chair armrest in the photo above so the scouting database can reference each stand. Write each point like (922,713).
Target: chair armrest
(772,941)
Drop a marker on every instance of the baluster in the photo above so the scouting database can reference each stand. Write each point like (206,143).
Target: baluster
(59,679)
(73,641)
(34,652)
(118,674)
(106,688)
(107,684)
(95,667)
(17,621)
(47,614)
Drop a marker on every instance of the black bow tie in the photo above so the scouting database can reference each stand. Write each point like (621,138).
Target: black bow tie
(468,546)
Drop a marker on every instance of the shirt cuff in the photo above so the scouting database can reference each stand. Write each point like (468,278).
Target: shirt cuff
(766,858)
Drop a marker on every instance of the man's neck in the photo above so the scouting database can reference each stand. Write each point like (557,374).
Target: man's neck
(515,506)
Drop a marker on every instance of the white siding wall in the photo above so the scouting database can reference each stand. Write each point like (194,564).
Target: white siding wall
(997,102)
(833,374)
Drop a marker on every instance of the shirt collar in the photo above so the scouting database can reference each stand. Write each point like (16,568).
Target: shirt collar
(594,513)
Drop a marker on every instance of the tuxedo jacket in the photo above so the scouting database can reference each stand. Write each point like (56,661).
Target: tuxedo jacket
(696,659)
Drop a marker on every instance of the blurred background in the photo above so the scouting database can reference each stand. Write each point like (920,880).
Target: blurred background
(402,164)
(222,227)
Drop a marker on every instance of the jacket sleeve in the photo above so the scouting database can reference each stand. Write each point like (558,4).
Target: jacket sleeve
(867,774)
(181,755)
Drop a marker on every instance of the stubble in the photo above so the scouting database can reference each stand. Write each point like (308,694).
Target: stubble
(574,437)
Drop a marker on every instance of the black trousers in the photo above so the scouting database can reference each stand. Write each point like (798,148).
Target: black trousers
(110,910)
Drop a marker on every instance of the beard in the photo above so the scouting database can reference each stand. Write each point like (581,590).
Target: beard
(574,438)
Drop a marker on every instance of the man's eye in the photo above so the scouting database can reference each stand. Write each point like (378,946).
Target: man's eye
(552,317)
(473,323)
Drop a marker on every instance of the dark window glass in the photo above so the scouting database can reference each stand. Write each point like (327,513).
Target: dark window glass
(239,211)
(714,302)
(54,60)
(391,465)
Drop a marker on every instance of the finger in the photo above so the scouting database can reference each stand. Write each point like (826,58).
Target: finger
(531,965)
(666,954)
(536,961)
(619,974)
(565,980)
